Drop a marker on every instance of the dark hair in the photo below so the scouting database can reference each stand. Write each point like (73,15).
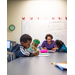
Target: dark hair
(25,37)
(59,43)
(48,35)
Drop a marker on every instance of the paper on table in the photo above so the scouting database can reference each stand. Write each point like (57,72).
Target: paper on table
(62,65)
(43,55)
(51,51)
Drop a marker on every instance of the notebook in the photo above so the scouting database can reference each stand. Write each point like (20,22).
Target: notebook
(43,54)
(61,65)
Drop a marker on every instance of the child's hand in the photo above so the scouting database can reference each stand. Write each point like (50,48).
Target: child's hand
(54,49)
(36,53)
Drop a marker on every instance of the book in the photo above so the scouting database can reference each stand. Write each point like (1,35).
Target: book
(43,54)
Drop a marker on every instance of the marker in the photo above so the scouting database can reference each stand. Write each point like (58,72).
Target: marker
(53,63)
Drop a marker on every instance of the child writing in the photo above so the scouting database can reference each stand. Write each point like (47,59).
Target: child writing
(34,45)
(21,50)
(61,46)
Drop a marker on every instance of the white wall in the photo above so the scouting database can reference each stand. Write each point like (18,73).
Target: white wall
(18,9)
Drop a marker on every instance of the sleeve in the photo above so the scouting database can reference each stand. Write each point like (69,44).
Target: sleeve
(31,55)
(43,45)
(64,48)
(63,43)
(25,52)
(60,50)
(57,50)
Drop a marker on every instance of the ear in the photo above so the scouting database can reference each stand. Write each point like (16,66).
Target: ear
(22,43)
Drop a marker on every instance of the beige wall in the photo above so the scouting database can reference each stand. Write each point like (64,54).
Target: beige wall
(18,9)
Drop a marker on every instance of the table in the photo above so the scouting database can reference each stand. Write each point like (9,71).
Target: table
(37,65)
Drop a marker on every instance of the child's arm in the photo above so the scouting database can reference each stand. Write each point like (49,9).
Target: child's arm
(26,53)
(60,50)
(63,49)
(36,53)
(54,48)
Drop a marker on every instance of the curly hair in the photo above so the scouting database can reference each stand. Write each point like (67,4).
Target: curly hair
(48,35)
(59,43)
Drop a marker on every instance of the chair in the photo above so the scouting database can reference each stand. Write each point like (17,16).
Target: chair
(10,56)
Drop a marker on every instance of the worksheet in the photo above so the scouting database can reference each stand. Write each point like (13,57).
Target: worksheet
(44,54)
(51,51)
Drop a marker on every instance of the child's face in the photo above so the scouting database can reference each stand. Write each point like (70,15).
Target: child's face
(27,44)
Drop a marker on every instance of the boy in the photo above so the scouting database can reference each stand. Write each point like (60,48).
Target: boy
(61,46)
(34,45)
(21,50)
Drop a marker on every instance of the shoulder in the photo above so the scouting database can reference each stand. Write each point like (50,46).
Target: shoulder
(63,47)
(44,41)
(15,47)
(17,44)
